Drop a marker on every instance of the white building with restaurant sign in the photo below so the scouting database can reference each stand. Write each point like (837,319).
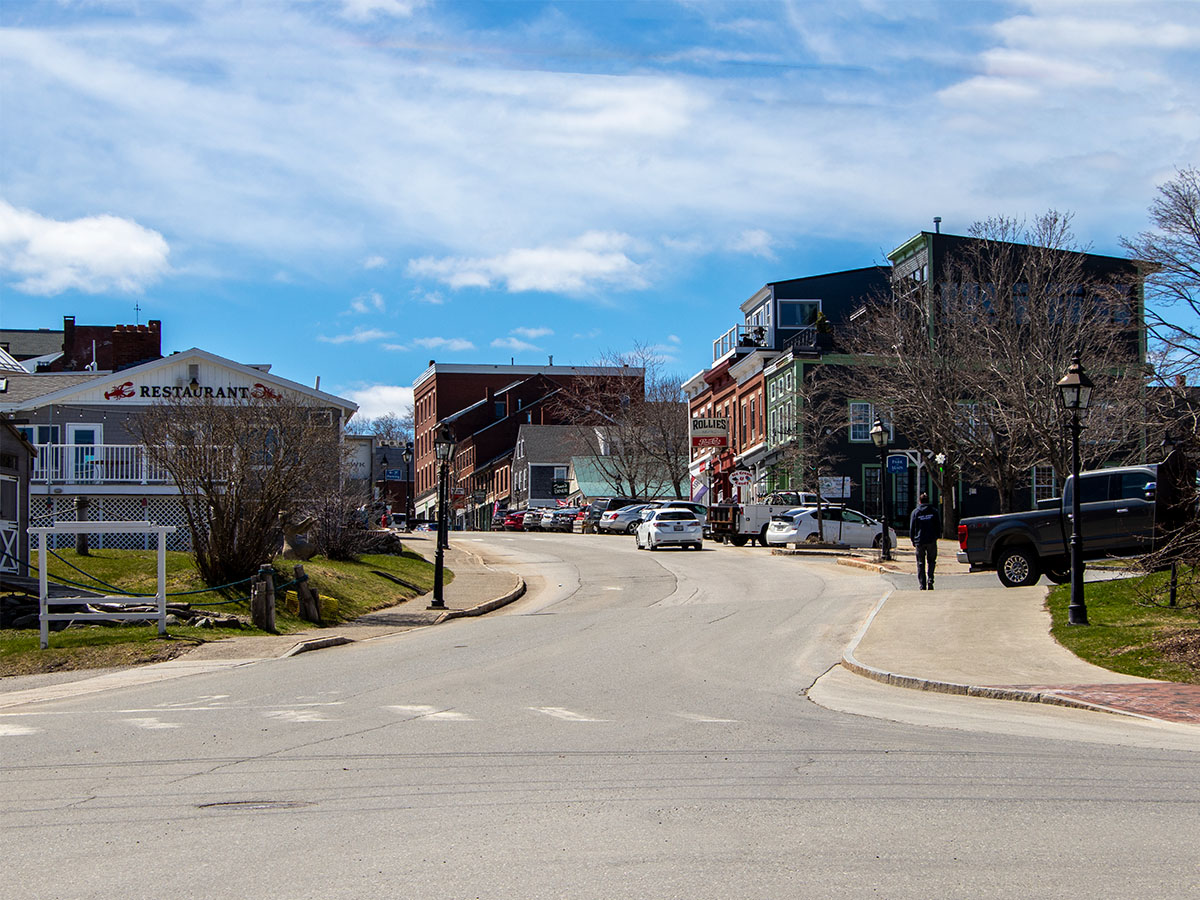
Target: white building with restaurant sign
(80,423)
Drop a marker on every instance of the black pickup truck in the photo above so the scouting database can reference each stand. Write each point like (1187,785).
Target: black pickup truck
(1118,511)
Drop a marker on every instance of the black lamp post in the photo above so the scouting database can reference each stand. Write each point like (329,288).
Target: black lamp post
(1075,389)
(407,456)
(880,436)
(443,446)
(1168,447)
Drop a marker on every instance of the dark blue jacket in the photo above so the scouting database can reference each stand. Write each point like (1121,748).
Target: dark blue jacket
(925,524)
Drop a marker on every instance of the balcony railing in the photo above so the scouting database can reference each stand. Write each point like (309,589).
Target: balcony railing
(804,339)
(96,464)
(743,337)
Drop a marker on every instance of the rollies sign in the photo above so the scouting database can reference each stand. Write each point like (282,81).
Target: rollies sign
(710,432)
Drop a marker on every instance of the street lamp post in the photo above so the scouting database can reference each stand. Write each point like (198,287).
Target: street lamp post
(1075,390)
(1168,447)
(409,513)
(880,436)
(443,446)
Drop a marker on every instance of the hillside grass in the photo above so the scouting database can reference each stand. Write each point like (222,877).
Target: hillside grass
(1128,633)
(348,590)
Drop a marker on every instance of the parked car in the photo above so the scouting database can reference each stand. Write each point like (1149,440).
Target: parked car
(498,520)
(515,520)
(840,526)
(621,521)
(561,519)
(699,509)
(601,505)
(533,518)
(669,527)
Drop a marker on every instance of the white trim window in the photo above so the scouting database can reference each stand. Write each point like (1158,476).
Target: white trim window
(862,420)
(1045,483)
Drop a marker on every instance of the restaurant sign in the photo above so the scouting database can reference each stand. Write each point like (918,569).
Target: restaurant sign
(128,390)
(710,432)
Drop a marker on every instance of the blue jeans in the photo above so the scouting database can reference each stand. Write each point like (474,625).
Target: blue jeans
(926,560)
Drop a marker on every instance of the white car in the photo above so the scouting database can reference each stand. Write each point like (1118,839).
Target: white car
(669,527)
(840,526)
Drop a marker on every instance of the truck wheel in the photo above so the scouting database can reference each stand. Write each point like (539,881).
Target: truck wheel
(739,540)
(1017,567)
(1059,576)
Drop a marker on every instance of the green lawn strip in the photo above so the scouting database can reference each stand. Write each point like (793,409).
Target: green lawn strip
(348,590)
(1128,635)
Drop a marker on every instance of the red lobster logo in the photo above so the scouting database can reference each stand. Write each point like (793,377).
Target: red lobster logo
(120,392)
(262,392)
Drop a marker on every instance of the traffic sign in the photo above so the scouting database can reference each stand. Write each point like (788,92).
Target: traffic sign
(897,464)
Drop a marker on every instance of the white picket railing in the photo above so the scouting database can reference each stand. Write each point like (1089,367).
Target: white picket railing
(96,464)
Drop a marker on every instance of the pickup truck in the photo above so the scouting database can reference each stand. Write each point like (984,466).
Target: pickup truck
(1118,511)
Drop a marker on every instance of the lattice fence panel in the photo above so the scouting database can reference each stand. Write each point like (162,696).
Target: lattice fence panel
(123,509)
(169,511)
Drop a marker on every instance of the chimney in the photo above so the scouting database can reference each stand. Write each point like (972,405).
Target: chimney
(551,359)
(937,224)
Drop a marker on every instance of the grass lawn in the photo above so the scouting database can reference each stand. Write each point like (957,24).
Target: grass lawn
(1128,635)
(348,590)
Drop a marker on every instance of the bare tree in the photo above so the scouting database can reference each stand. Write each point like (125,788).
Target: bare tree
(242,468)
(1171,253)
(968,365)
(390,427)
(636,428)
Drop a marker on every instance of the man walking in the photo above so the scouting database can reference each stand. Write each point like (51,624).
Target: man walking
(925,527)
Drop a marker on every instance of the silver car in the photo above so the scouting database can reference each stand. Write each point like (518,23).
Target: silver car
(621,521)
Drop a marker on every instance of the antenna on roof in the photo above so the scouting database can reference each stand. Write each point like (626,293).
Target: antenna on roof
(937,224)
(137,313)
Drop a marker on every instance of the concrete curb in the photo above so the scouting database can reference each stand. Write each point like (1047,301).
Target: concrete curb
(318,644)
(488,605)
(969,690)
(867,564)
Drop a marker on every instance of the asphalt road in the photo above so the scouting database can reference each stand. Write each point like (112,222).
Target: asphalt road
(637,726)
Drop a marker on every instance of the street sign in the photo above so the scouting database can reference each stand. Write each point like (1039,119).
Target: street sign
(393,474)
(710,432)
(740,477)
(479,496)
(897,464)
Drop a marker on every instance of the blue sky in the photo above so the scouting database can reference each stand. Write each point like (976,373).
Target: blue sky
(349,189)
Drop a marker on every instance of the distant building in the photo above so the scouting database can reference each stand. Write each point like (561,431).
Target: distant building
(484,407)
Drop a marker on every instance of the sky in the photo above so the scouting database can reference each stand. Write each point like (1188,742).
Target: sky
(347,189)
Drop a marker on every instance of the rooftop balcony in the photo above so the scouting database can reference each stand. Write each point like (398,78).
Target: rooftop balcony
(743,338)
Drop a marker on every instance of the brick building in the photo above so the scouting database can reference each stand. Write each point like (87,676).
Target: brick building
(484,406)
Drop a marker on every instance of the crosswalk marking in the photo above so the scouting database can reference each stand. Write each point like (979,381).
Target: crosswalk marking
(152,724)
(432,712)
(696,717)
(296,715)
(565,714)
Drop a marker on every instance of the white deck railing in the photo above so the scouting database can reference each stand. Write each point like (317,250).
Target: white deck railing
(96,464)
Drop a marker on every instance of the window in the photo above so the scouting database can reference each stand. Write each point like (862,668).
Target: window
(39,434)
(798,313)
(871,489)
(560,473)
(1133,485)
(1045,483)
(862,420)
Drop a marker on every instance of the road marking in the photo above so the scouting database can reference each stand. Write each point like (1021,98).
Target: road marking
(152,723)
(16,730)
(609,588)
(419,711)
(296,715)
(565,714)
(696,717)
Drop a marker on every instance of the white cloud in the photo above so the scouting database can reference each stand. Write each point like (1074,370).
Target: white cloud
(92,254)
(374,262)
(378,399)
(361,10)
(532,333)
(512,343)
(433,298)
(592,261)
(358,336)
(755,242)
(434,343)
(371,301)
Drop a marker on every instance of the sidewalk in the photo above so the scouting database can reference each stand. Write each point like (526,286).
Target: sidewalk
(985,640)
(475,589)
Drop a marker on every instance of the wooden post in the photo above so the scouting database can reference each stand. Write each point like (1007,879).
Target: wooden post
(308,607)
(81,539)
(267,575)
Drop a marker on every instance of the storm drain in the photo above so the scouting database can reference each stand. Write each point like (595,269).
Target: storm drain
(256,804)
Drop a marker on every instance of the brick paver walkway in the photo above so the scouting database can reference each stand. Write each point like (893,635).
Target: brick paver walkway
(1168,701)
